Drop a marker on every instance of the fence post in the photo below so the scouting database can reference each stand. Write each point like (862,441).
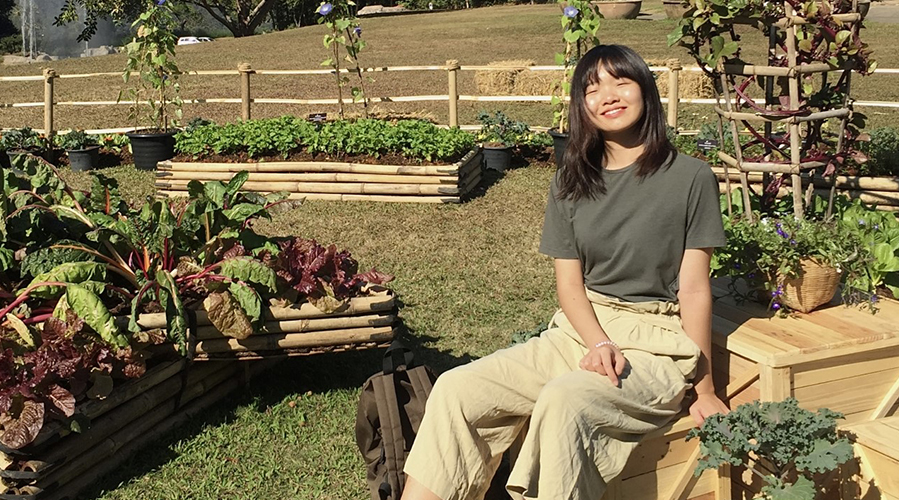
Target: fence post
(452,69)
(674,69)
(49,76)
(245,71)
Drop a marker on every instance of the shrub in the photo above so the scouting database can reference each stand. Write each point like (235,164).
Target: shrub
(882,152)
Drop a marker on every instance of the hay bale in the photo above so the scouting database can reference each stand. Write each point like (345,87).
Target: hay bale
(692,84)
(500,82)
(537,82)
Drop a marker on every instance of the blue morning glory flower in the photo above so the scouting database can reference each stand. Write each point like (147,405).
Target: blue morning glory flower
(874,299)
(357,31)
(861,222)
(325,9)
(775,306)
(570,11)
(160,2)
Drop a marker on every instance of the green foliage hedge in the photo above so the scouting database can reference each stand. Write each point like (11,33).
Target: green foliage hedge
(414,139)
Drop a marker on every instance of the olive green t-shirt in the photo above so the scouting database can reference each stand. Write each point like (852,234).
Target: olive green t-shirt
(631,240)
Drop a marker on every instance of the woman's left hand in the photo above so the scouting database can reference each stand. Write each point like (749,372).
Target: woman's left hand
(705,406)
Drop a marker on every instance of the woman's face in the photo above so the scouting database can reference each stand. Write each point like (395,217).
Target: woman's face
(614,105)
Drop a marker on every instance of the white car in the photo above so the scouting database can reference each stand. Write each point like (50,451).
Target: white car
(190,40)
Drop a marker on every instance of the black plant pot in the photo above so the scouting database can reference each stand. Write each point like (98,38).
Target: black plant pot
(497,157)
(150,148)
(82,160)
(560,142)
(12,154)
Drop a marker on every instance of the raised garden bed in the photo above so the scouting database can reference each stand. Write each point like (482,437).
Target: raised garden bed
(335,181)
(60,463)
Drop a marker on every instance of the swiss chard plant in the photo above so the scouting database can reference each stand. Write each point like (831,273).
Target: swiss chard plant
(790,449)
(77,268)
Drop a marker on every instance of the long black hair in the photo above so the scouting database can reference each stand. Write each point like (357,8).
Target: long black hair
(581,173)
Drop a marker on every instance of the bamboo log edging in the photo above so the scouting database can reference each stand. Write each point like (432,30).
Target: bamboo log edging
(135,407)
(379,301)
(335,181)
(276,341)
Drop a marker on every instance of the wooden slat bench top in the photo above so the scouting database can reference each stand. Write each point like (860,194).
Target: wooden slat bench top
(750,330)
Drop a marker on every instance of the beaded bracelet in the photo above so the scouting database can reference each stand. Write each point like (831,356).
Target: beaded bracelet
(606,342)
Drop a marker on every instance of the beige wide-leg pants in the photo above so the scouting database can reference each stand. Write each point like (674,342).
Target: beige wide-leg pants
(580,429)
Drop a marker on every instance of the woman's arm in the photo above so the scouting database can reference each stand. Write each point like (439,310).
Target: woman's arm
(695,297)
(606,359)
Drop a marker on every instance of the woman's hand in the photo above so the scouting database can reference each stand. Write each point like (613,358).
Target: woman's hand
(605,360)
(706,405)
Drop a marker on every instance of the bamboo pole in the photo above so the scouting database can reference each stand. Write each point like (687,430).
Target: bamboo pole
(843,182)
(790,71)
(795,139)
(452,70)
(310,177)
(382,301)
(347,197)
(330,187)
(822,115)
(49,76)
(308,167)
(883,199)
(305,325)
(738,161)
(287,340)
(674,69)
(245,71)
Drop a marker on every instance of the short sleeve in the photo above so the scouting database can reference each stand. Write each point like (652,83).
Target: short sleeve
(558,233)
(704,226)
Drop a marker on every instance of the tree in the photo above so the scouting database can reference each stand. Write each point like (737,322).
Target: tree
(240,17)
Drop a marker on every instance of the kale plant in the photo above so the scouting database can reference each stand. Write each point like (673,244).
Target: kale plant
(781,443)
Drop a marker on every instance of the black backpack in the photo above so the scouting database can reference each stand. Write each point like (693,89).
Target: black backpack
(390,410)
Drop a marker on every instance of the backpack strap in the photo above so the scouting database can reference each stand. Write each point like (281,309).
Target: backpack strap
(397,355)
(391,433)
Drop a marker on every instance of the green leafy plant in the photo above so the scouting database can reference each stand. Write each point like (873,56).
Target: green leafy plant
(72,261)
(345,32)
(151,54)
(75,140)
(22,139)
(882,152)
(786,446)
(414,139)
(859,242)
(497,129)
(580,28)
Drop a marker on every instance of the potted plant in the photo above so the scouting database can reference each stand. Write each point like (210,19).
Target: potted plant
(675,9)
(580,28)
(793,452)
(498,135)
(82,149)
(21,141)
(156,105)
(798,263)
(619,9)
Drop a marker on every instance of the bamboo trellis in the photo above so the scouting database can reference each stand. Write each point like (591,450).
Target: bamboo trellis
(793,73)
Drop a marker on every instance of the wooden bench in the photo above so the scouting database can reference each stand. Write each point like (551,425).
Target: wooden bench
(845,359)
(877,450)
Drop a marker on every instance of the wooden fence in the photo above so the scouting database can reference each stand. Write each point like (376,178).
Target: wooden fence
(673,99)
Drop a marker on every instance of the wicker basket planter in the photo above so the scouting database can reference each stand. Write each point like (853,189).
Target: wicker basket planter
(60,463)
(335,181)
(813,286)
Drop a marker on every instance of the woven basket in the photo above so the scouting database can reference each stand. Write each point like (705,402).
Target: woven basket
(815,284)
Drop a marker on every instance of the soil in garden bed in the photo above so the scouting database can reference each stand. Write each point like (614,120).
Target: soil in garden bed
(387,159)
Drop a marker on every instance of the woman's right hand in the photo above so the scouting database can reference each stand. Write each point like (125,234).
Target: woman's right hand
(607,360)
